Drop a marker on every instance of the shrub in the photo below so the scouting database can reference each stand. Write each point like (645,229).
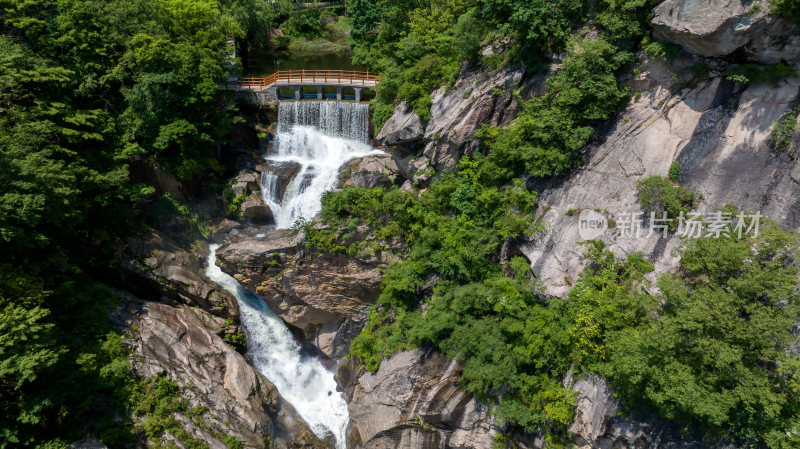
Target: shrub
(783,133)
(789,9)
(674,171)
(657,194)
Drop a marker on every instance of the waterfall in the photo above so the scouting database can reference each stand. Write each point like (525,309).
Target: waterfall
(320,136)
(301,380)
(317,137)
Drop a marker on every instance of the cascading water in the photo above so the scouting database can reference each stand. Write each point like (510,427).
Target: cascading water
(301,380)
(320,136)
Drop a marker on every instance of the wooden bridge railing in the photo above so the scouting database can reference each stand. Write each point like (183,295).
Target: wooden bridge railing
(302,76)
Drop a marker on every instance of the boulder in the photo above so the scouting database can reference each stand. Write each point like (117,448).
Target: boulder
(404,126)
(245,183)
(279,174)
(370,171)
(255,210)
(324,295)
(413,401)
(722,27)
(240,402)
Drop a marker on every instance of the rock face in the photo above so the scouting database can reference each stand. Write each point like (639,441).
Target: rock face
(719,133)
(255,210)
(161,270)
(326,296)
(413,401)
(370,171)
(184,344)
(596,424)
(721,27)
(478,97)
(403,127)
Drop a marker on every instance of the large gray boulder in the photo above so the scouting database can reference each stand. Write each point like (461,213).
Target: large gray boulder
(280,174)
(370,171)
(404,126)
(255,210)
(721,27)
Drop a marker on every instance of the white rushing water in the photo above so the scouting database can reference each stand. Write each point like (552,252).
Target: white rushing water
(320,136)
(301,380)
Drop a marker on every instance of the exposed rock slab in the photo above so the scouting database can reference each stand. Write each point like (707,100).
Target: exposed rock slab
(184,344)
(717,130)
(413,401)
(721,27)
(479,97)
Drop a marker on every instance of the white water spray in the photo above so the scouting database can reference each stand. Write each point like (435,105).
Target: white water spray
(320,136)
(303,381)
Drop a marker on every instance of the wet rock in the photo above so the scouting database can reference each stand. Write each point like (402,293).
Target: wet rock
(240,402)
(284,172)
(324,295)
(370,171)
(720,28)
(413,401)
(404,126)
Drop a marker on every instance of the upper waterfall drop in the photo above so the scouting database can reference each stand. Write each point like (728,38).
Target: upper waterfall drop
(320,136)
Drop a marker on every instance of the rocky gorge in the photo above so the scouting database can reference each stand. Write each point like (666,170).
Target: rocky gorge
(183,325)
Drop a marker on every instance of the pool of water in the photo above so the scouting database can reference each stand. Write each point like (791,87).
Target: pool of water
(266,63)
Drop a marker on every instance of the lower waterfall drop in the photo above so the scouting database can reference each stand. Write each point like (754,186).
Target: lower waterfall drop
(301,380)
(320,136)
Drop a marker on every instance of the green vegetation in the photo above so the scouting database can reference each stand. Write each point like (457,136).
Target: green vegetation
(757,73)
(659,195)
(88,89)
(710,350)
(315,31)
(783,133)
(674,171)
(789,9)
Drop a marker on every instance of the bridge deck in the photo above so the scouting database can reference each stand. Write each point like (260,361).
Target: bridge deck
(336,78)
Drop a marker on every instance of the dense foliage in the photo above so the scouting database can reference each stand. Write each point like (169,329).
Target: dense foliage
(709,348)
(658,195)
(693,346)
(87,88)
